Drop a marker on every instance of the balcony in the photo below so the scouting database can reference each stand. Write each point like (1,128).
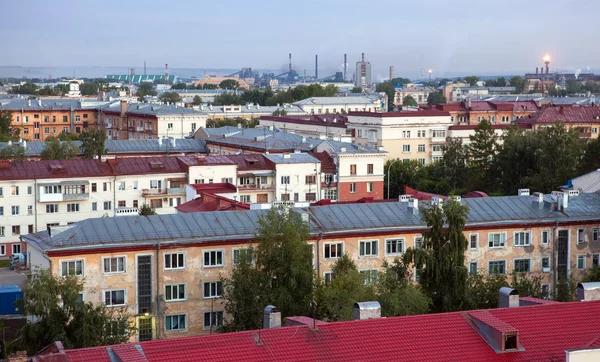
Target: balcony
(139,129)
(176,191)
(438,139)
(154,192)
(76,197)
(122,211)
(256,187)
(50,197)
(436,153)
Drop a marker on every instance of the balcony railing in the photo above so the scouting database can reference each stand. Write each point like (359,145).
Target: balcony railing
(153,192)
(256,187)
(127,211)
(176,191)
(76,197)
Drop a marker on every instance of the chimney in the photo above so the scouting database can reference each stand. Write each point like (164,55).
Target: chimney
(588,291)
(174,142)
(536,70)
(29,102)
(272,317)
(305,217)
(363,57)
(437,201)
(538,197)
(523,192)
(290,65)
(404,198)
(287,155)
(367,310)
(39,102)
(239,126)
(316,66)
(160,141)
(123,107)
(469,103)
(562,199)
(509,298)
(24,144)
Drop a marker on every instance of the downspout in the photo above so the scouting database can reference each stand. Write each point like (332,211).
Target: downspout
(35,202)
(319,255)
(114,205)
(158,320)
(554,259)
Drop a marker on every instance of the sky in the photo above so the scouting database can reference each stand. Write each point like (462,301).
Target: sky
(480,37)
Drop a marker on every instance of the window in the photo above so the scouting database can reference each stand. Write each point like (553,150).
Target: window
(114,297)
(370,169)
(213,258)
(421,148)
(328,277)
(174,323)
(94,206)
(2,231)
(156,203)
(174,261)
(422,133)
(3,250)
(405,148)
(545,237)
(121,203)
(580,261)
(30,229)
(72,267)
(473,241)
(1,210)
(72,207)
(285,197)
(35,136)
(239,253)
(497,267)
(352,187)
(545,264)
(16,249)
(94,187)
(369,275)
(14,190)
(438,133)
(47,130)
(595,259)
(55,189)
(175,292)
(65,119)
(169,125)
(1,192)
(29,190)
(114,265)
(369,187)
(16,229)
(580,236)
(418,242)
(213,319)
(522,265)
(311,179)
(368,248)
(107,205)
(353,169)
(14,210)
(285,180)
(595,235)
(522,238)
(405,134)
(155,184)
(121,186)
(473,267)
(333,250)
(135,203)
(496,240)
(227,180)
(394,246)
(134,185)
(212,289)
(311,196)
(245,198)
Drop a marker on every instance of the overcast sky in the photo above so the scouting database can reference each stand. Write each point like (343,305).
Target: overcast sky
(449,37)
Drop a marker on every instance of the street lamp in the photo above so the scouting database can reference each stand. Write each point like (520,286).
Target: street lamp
(388,176)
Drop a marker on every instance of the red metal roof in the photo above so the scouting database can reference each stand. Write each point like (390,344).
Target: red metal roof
(545,332)
(327,164)
(211,202)
(494,126)
(317,120)
(251,162)
(24,170)
(419,113)
(566,114)
(215,188)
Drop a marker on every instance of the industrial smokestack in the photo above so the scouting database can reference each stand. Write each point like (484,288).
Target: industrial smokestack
(392,72)
(536,70)
(290,62)
(363,57)
(144,67)
(166,73)
(316,66)
(345,66)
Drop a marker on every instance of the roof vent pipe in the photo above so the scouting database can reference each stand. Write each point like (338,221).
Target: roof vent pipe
(367,310)
(272,317)
(509,298)
(523,192)
(538,197)
(588,291)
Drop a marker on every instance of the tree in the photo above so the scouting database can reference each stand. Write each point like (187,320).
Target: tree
(13,153)
(591,156)
(62,316)
(279,112)
(146,210)
(282,274)
(26,88)
(454,162)
(436,98)
(483,290)
(397,294)
(197,101)
(7,132)
(515,159)
(228,98)
(517,82)
(66,136)
(207,86)
(179,86)
(499,82)
(441,259)
(145,89)
(387,88)
(472,80)
(89,88)
(481,152)
(229,84)
(400,81)
(400,174)
(92,142)
(409,101)
(57,150)
(592,275)
(356,90)
(170,97)
(528,285)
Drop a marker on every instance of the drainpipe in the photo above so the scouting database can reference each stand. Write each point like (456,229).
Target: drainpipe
(35,202)
(158,320)
(114,205)
(554,259)
(319,254)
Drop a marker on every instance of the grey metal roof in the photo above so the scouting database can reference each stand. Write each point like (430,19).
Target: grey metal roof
(151,109)
(332,219)
(50,104)
(293,158)
(337,100)
(115,147)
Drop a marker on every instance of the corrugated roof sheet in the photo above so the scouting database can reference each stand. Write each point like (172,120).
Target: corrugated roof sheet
(564,114)
(292,158)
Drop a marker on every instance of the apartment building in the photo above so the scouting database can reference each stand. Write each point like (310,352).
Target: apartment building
(37,194)
(584,119)
(166,269)
(316,126)
(419,94)
(405,135)
(297,177)
(499,112)
(143,121)
(38,119)
(374,102)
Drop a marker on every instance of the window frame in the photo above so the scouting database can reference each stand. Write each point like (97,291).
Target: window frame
(547,232)
(238,250)
(341,252)
(496,261)
(547,268)
(223,256)
(178,330)
(581,257)
(515,233)
(503,241)
(595,235)
(72,260)
(104,272)
(402,245)
(171,262)
(476,267)
(471,241)
(211,313)
(178,285)
(217,283)
(519,260)
(580,231)
(362,253)
(104,291)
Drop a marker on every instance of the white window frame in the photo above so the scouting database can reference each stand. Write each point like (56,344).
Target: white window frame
(114,290)
(402,244)
(369,274)
(519,259)
(476,267)
(352,187)
(178,267)
(405,148)
(545,269)
(522,242)
(328,277)
(596,235)
(13,248)
(547,232)
(212,313)
(176,285)
(73,260)
(476,241)
(233,256)
(416,239)
(582,257)
(216,288)
(330,244)
(503,241)
(580,231)
(204,252)
(496,261)
(366,243)
(2,249)
(178,330)
(114,257)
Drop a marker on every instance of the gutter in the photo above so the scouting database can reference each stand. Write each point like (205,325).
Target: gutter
(158,319)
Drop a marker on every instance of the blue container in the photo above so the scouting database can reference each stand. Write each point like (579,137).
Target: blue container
(9,294)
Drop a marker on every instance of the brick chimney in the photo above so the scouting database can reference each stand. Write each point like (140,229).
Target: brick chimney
(123,107)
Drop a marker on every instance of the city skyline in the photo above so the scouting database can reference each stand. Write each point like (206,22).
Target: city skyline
(474,38)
